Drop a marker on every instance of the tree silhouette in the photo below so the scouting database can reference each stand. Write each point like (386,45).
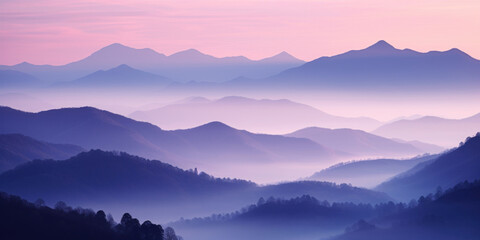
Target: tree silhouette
(151,231)
(170,234)
(23,220)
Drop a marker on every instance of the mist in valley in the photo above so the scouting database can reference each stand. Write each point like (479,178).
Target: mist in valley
(178,137)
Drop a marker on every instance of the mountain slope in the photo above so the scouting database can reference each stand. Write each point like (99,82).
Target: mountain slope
(368,173)
(450,168)
(382,67)
(16,149)
(214,147)
(440,131)
(265,115)
(357,142)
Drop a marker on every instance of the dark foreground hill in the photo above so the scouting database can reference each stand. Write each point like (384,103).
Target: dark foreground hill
(445,216)
(302,217)
(118,181)
(454,215)
(298,218)
(24,220)
(98,175)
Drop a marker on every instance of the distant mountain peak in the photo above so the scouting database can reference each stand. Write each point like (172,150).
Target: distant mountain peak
(284,54)
(215,126)
(114,47)
(118,50)
(234,98)
(118,69)
(82,109)
(380,48)
(381,45)
(123,67)
(196,99)
(457,52)
(192,50)
(188,53)
(25,64)
(282,57)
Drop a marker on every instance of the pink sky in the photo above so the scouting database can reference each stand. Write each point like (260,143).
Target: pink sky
(61,31)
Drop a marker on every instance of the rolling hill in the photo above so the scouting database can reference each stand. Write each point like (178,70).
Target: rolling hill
(358,142)
(368,173)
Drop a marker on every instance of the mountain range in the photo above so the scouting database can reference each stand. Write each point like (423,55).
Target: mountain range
(256,115)
(188,65)
(380,67)
(436,130)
